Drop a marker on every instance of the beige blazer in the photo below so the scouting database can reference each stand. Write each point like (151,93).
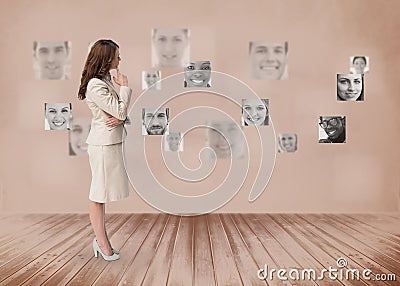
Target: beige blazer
(103,100)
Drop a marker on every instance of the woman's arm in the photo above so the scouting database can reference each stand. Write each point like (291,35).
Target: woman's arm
(99,93)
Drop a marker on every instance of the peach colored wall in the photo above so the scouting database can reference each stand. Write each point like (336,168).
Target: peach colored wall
(37,175)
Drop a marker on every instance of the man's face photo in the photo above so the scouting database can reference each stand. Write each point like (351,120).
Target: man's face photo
(155,121)
(268,60)
(51,59)
(332,125)
(197,74)
(170,47)
(174,142)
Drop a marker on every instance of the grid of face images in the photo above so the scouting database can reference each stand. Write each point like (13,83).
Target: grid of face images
(170,48)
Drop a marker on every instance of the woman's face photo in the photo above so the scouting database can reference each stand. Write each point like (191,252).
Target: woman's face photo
(359,64)
(198,74)
(268,60)
(254,111)
(51,59)
(78,135)
(170,47)
(349,86)
(150,79)
(58,116)
(287,142)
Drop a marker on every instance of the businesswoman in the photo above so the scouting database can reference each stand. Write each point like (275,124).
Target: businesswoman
(109,109)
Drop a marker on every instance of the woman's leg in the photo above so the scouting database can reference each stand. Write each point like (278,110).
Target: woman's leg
(104,223)
(97,214)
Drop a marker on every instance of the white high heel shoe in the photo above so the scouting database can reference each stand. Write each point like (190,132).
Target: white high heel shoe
(97,250)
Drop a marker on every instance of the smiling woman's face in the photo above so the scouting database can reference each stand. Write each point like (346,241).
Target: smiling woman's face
(287,142)
(198,74)
(349,86)
(58,115)
(254,111)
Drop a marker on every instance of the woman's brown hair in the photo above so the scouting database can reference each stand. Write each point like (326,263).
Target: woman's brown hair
(98,63)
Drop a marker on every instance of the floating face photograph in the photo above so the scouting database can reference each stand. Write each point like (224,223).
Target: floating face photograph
(287,142)
(226,139)
(350,87)
(173,142)
(268,60)
(78,134)
(52,60)
(359,64)
(57,116)
(151,80)
(197,74)
(170,47)
(332,129)
(155,121)
(255,111)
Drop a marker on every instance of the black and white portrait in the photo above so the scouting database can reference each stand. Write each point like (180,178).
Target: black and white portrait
(78,134)
(52,60)
(350,87)
(155,121)
(57,116)
(332,129)
(268,60)
(197,74)
(359,64)
(173,142)
(170,47)
(151,80)
(287,142)
(255,111)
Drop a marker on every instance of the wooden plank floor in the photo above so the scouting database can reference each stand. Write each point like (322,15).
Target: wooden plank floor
(216,249)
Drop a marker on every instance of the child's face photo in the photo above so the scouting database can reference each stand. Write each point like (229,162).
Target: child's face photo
(268,60)
(197,74)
